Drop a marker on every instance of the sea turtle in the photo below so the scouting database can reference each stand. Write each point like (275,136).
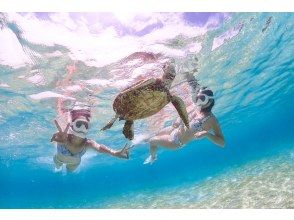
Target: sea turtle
(146,98)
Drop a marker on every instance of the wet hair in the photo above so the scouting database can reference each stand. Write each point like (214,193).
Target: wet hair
(208,108)
(208,92)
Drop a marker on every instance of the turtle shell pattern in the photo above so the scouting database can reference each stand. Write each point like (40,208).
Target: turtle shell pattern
(143,102)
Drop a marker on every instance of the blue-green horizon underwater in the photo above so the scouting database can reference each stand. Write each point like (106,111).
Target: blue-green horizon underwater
(245,58)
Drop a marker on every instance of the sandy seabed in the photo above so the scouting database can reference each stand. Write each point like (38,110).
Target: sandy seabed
(264,183)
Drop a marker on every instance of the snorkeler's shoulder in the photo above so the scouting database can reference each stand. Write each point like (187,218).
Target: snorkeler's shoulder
(215,124)
(212,120)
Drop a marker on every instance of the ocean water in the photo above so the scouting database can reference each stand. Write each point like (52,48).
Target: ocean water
(245,58)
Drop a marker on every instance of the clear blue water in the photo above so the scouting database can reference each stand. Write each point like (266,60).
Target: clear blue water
(251,73)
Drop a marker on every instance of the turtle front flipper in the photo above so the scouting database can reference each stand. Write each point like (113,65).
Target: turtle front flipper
(128,130)
(110,123)
(181,109)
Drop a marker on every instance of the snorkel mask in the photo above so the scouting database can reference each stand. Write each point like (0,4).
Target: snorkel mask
(202,99)
(80,121)
(80,127)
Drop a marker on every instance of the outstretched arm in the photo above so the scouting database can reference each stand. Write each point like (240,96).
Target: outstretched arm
(71,69)
(107,150)
(216,137)
(60,106)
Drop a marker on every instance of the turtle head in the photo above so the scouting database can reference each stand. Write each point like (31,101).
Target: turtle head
(169,73)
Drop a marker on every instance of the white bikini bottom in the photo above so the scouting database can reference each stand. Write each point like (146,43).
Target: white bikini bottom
(176,138)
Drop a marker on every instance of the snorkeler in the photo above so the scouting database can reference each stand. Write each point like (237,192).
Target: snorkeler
(72,143)
(202,124)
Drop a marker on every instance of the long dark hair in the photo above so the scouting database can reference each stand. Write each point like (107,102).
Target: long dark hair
(208,109)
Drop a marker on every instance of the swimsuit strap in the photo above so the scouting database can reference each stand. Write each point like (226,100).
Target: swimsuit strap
(65,150)
(206,118)
(197,124)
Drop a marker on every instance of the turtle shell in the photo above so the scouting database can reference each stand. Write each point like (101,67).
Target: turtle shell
(142,102)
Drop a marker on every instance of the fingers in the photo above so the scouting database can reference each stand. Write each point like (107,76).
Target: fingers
(127,155)
(124,148)
(53,138)
(200,134)
(124,152)
(128,147)
(57,126)
(67,127)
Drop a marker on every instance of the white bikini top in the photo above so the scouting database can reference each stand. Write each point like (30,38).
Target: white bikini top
(196,124)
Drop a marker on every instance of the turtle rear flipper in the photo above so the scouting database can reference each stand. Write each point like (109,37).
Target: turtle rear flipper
(110,123)
(128,130)
(181,109)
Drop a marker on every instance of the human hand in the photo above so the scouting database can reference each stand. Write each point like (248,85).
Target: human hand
(123,153)
(175,125)
(60,136)
(201,134)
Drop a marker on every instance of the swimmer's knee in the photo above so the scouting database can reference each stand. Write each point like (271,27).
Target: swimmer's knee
(172,144)
(57,163)
(155,141)
(72,167)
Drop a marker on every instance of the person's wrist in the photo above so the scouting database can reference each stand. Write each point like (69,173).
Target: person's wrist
(208,135)
(113,152)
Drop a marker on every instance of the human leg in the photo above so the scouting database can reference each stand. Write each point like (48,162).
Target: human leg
(72,167)
(164,141)
(153,154)
(165,131)
(57,162)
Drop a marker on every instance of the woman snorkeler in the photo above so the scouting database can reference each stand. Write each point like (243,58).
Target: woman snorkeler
(72,142)
(203,124)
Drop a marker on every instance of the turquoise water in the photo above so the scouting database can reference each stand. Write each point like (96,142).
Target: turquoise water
(245,58)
